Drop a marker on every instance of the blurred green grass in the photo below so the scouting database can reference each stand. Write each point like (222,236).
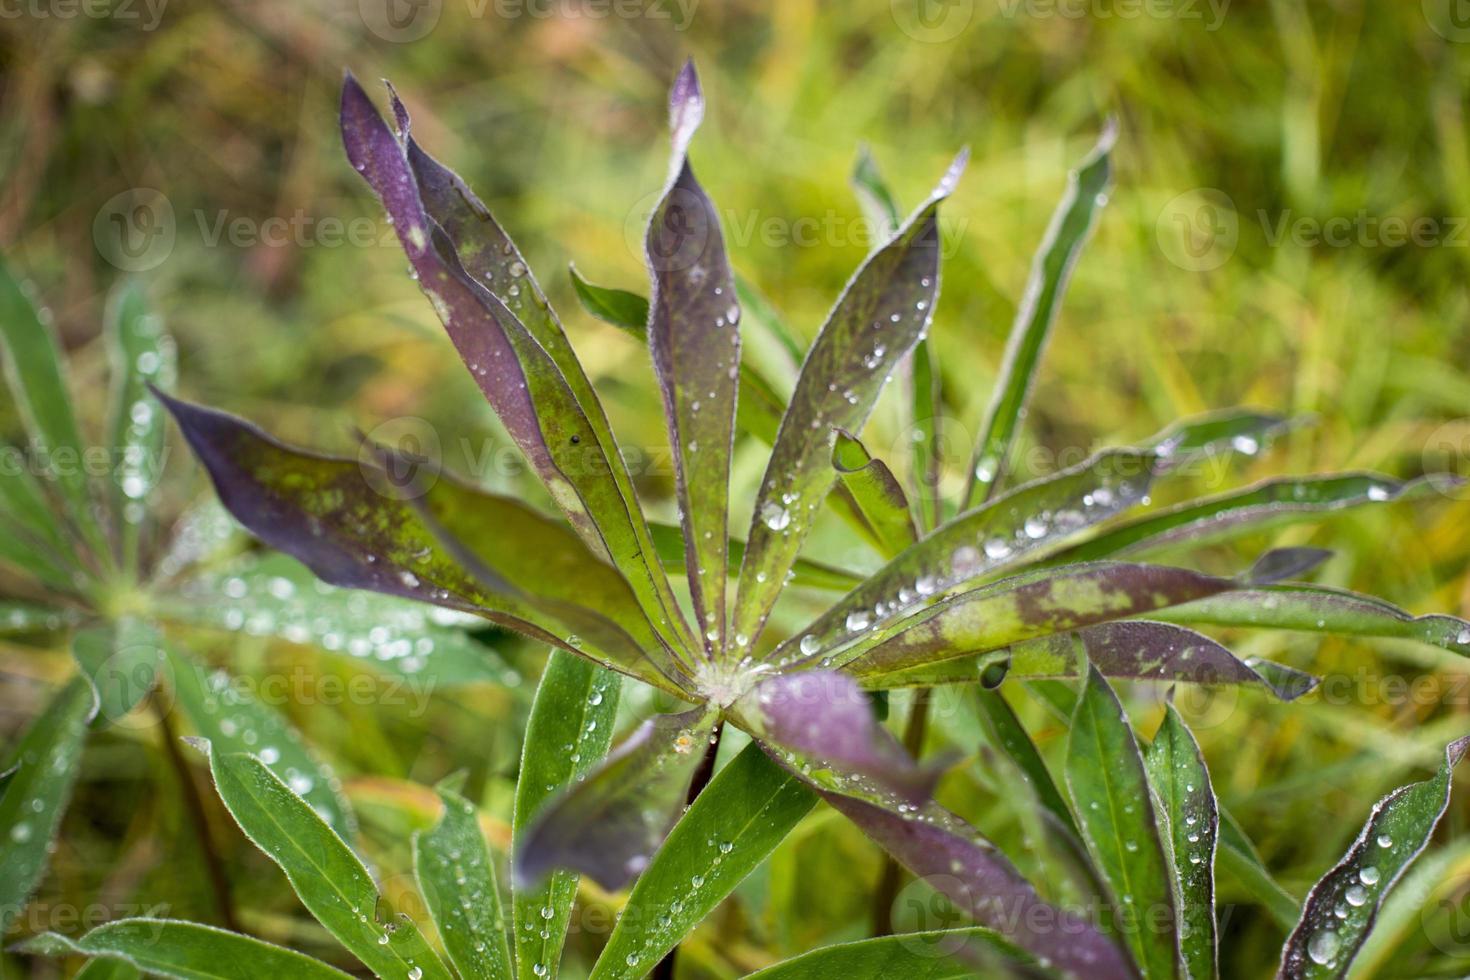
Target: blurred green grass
(1290,109)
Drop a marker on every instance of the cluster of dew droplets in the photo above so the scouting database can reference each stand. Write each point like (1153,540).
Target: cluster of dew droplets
(1357,891)
(137,472)
(997,542)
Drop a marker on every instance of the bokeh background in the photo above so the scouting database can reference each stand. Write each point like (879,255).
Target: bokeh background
(1290,229)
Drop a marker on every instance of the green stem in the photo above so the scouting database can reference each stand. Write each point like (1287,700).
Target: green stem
(702,776)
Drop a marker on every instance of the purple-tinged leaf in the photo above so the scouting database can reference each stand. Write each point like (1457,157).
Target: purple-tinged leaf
(608,825)
(1029,522)
(1087,190)
(884,311)
(356,525)
(1181,781)
(524,384)
(1025,607)
(1315,609)
(828,720)
(1141,650)
(1109,786)
(1283,564)
(955,860)
(1340,910)
(877,493)
(694,339)
(1265,506)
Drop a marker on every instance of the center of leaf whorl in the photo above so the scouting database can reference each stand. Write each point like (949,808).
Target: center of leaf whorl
(722,684)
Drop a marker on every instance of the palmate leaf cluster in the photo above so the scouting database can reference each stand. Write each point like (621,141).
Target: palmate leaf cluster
(1046,583)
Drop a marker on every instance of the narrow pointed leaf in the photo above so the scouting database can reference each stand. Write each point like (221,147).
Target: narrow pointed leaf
(524,384)
(1142,650)
(181,951)
(358,525)
(30,617)
(1316,609)
(1237,856)
(1179,777)
(1013,530)
(108,969)
(885,309)
(733,825)
(807,574)
(619,307)
(950,954)
(277,596)
(329,879)
(45,760)
(609,824)
(456,877)
(1087,189)
(828,720)
(879,207)
(36,377)
(122,660)
(1265,506)
(926,398)
(222,709)
(968,870)
(140,354)
(1007,734)
(1237,430)
(1399,828)
(1028,606)
(694,339)
(568,734)
(1109,786)
(877,492)
(31,537)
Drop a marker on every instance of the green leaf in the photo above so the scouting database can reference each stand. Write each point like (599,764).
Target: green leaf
(122,661)
(46,758)
(1011,738)
(740,817)
(619,307)
(33,368)
(840,382)
(277,596)
(456,876)
(1341,908)
(1178,775)
(568,733)
(1237,856)
(878,494)
(31,538)
(222,709)
(928,409)
(330,880)
(1087,190)
(182,951)
(30,617)
(141,353)
(808,574)
(942,955)
(1109,786)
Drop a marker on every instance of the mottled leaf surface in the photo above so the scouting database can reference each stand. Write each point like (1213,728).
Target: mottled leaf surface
(1181,782)
(567,735)
(456,877)
(883,312)
(1109,786)
(329,879)
(877,492)
(1087,189)
(45,762)
(1399,828)
(734,824)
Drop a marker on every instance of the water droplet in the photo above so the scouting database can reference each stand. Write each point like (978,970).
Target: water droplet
(857,621)
(810,644)
(1323,947)
(1378,492)
(1385,841)
(1369,875)
(776,517)
(1356,895)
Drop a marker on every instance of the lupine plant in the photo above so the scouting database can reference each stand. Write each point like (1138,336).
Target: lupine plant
(99,560)
(1041,584)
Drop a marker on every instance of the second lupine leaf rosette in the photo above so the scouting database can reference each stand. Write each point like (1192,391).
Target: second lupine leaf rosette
(1028,581)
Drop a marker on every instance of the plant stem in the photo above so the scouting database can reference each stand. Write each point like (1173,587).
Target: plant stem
(702,775)
(890,880)
(219,883)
